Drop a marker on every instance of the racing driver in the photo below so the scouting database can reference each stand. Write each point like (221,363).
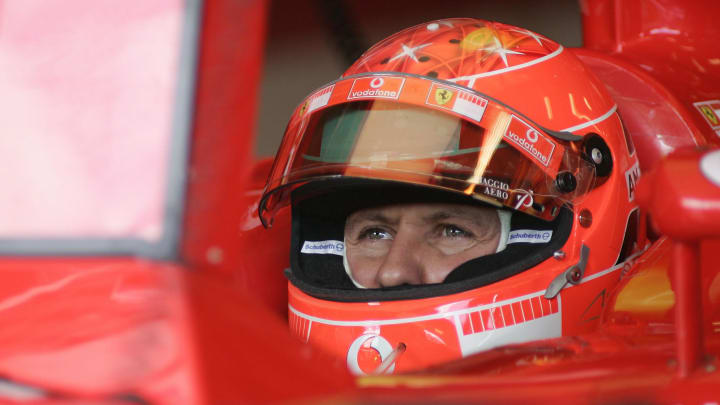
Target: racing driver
(446,193)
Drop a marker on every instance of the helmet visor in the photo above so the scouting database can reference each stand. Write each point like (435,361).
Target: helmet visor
(425,132)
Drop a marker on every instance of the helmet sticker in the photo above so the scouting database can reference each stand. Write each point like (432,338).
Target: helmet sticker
(534,144)
(530,236)
(324,247)
(442,96)
(495,188)
(375,342)
(300,327)
(376,87)
(529,318)
(319,99)
(524,199)
(456,100)
(631,178)
(710,110)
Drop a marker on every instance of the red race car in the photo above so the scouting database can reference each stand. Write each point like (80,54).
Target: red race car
(137,268)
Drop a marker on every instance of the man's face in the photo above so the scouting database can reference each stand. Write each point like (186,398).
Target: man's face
(417,243)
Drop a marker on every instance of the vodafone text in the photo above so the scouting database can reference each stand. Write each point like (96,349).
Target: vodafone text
(374,93)
(527,145)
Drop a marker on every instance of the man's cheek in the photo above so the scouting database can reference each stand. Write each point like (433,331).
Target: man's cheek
(364,267)
(366,276)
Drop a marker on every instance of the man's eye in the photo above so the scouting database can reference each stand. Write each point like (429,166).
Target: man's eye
(375,234)
(452,231)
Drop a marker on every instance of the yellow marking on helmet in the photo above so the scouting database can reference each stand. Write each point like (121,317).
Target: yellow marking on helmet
(478,39)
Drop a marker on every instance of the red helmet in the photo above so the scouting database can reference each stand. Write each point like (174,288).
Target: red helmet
(467,111)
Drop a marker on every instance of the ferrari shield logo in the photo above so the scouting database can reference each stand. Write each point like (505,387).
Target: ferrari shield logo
(709,114)
(442,96)
(462,102)
(710,110)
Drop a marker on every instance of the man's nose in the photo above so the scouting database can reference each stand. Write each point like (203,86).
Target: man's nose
(403,264)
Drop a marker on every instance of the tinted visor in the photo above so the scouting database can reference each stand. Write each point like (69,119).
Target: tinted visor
(419,131)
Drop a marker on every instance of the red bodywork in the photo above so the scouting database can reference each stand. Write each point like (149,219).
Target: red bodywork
(205,323)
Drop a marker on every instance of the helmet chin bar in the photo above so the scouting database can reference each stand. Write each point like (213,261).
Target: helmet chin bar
(573,275)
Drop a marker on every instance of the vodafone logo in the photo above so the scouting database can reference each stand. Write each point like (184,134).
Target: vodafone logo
(366,342)
(532,135)
(530,141)
(376,87)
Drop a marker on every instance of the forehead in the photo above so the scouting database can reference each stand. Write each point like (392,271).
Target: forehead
(424,211)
